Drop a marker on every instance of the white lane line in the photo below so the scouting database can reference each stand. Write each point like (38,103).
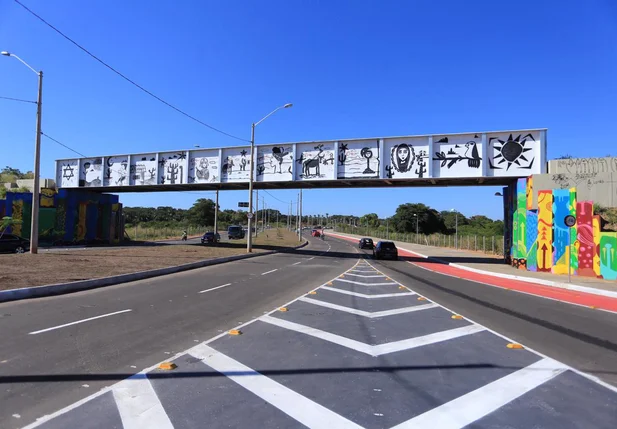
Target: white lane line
(363,295)
(472,406)
(79,321)
(297,263)
(376,350)
(366,284)
(139,406)
(268,272)
(215,288)
(366,277)
(310,259)
(298,407)
(368,313)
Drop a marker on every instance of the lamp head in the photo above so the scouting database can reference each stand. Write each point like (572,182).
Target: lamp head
(288,105)
(5,53)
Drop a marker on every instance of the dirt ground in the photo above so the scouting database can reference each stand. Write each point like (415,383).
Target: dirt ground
(17,271)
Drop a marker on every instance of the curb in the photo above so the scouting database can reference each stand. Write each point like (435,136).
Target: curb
(64,288)
(559,285)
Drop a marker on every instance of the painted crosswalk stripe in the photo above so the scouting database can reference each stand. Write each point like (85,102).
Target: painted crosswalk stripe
(375,350)
(366,284)
(299,407)
(368,314)
(138,404)
(363,295)
(474,405)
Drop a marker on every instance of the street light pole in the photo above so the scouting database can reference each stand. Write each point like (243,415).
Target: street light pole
(300,213)
(34,225)
(249,240)
(216,215)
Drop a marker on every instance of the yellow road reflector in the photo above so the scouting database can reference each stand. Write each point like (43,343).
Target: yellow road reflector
(515,346)
(457,316)
(283,309)
(235,332)
(342,276)
(401,287)
(312,292)
(421,298)
(329,283)
(593,306)
(388,278)
(168,366)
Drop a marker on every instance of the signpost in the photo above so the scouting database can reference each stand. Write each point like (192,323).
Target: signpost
(243,204)
(569,221)
(249,215)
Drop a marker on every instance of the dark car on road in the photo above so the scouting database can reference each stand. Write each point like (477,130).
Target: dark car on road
(210,238)
(366,243)
(13,243)
(235,232)
(385,250)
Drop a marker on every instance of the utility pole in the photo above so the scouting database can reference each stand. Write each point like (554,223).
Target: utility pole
(216,214)
(300,212)
(256,211)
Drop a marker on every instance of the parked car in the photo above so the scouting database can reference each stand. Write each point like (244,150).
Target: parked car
(366,243)
(13,243)
(316,233)
(235,232)
(385,249)
(210,238)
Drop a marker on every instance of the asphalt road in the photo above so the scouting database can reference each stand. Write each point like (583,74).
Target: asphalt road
(363,351)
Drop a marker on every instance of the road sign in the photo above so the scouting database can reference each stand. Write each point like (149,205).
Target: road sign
(249,215)
(570,221)
(242,204)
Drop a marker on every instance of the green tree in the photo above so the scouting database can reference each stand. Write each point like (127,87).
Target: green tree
(428,220)
(202,212)
(371,219)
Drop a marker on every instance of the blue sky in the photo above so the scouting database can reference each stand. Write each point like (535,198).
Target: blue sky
(351,68)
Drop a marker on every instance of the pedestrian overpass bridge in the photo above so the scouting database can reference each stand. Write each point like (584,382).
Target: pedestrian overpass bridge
(465,159)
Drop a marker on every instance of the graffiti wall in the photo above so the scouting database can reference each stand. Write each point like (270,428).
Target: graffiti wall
(68,216)
(116,171)
(204,166)
(236,164)
(406,158)
(458,156)
(541,241)
(173,168)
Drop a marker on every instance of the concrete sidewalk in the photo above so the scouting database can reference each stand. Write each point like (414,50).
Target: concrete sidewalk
(494,265)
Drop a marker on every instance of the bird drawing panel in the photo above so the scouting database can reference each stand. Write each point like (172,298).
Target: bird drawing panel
(204,166)
(315,161)
(514,154)
(236,165)
(274,163)
(358,159)
(406,158)
(143,169)
(116,171)
(457,155)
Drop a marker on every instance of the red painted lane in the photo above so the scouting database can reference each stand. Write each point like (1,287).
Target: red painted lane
(564,295)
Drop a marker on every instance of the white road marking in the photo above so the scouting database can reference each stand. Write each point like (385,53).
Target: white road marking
(268,272)
(79,321)
(376,350)
(472,406)
(369,314)
(366,284)
(298,407)
(215,288)
(363,295)
(297,263)
(310,259)
(138,404)
(366,277)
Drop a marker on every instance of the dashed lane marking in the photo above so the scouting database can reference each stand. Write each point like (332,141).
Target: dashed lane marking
(299,407)
(215,288)
(363,295)
(368,313)
(79,321)
(268,272)
(297,263)
(474,405)
(363,276)
(375,350)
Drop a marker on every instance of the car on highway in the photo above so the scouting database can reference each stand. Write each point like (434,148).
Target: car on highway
(13,243)
(210,238)
(366,243)
(235,232)
(385,249)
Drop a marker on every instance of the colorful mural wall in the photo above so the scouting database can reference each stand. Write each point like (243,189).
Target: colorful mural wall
(539,240)
(67,216)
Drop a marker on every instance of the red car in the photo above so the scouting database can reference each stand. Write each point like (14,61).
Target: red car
(316,233)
